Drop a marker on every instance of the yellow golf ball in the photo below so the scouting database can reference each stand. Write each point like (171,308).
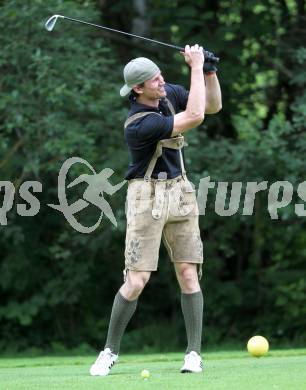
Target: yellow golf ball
(258,346)
(145,374)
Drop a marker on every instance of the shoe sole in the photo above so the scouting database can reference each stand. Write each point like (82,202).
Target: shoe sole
(185,371)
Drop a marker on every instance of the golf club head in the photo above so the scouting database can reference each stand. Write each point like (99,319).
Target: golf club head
(50,23)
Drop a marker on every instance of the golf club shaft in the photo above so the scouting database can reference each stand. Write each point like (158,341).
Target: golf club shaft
(131,35)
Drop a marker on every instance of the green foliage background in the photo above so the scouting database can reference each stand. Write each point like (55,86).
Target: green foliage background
(59,98)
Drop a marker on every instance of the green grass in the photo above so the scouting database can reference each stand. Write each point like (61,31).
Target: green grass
(283,369)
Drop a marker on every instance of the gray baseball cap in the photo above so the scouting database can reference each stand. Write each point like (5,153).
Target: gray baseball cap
(136,72)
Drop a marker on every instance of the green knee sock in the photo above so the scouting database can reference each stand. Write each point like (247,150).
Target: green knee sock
(122,312)
(192,307)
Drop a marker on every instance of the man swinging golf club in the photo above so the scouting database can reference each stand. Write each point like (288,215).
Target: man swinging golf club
(160,113)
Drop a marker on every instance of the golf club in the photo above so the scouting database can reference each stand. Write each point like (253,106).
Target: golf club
(50,23)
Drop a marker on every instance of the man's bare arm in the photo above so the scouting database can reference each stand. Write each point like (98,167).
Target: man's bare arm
(213,94)
(195,109)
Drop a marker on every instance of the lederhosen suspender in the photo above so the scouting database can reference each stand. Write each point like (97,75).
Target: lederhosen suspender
(172,143)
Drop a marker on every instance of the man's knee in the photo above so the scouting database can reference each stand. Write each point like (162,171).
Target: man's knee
(136,281)
(187,276)
(187,271)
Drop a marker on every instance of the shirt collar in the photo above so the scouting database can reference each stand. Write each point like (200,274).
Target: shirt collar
(139,107)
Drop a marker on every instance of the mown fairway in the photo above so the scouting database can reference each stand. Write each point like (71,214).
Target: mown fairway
(283,369)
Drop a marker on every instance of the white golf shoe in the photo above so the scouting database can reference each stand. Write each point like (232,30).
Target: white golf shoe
(104,363)
(192,363)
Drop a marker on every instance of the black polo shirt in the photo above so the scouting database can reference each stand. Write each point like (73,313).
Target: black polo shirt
(143,134)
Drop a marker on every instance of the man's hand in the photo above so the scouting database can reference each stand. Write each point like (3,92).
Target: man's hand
(210,67)
(210,63)
(194,56)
